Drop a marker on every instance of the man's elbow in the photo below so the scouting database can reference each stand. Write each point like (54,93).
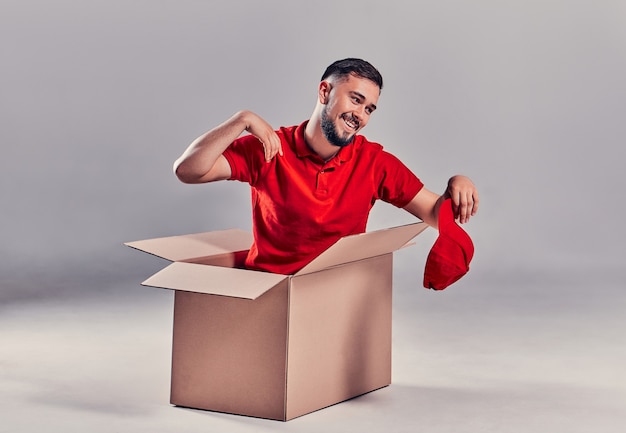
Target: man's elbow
(183,173)
(187,172)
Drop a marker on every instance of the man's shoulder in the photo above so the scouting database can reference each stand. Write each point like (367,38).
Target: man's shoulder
(289,132)
(290,129)
(287,129)
(374,152)
(366,145)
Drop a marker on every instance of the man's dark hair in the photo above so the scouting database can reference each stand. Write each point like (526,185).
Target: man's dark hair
(342,68)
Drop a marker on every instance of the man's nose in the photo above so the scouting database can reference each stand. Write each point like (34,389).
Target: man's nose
(358,113)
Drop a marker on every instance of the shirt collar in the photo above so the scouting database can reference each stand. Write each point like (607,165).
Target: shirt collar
(303,150)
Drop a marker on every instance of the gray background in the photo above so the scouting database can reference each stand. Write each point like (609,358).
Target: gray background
(528,98)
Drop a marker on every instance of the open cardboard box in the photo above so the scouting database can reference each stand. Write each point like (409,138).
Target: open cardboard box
(277,346)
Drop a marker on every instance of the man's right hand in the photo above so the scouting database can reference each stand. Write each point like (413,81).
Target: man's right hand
(262,130)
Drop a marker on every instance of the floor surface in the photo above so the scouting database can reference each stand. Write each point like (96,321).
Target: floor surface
(474,358)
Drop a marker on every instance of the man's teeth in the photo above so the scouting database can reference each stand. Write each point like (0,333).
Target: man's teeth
(351,122)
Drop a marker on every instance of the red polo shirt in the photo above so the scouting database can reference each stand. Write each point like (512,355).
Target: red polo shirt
(302,205)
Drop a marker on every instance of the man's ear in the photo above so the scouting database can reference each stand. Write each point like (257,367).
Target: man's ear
(324,91)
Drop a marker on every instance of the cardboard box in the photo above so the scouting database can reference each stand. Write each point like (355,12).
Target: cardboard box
(277,346)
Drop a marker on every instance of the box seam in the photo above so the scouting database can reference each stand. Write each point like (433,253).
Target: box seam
(285,413)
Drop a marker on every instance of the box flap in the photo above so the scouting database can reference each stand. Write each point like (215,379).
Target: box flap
(356,247)
(215,280)
(187,247)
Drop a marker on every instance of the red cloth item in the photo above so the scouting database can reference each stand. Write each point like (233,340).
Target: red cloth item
(450,255)
(301,204)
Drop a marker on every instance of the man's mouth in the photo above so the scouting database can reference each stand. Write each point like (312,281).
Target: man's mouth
(350,121)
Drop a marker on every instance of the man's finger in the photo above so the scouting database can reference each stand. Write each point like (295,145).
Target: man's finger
(475,205)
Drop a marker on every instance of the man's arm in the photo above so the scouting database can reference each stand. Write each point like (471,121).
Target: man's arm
(203,161)
(425,204)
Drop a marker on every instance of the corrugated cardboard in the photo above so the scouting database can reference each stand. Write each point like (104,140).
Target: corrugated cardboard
(277,346)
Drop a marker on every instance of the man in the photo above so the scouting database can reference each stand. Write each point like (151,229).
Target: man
(316,182)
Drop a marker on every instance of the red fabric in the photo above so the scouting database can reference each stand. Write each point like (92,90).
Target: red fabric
(451,254)
(302,205)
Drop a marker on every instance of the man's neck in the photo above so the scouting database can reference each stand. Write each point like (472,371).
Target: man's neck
(317,142)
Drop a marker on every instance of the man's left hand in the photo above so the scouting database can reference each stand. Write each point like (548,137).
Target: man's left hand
(464,197)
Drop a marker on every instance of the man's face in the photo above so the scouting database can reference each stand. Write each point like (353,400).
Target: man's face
(348,108)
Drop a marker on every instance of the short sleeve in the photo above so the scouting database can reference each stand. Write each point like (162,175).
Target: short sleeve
(245,157)
(397,183)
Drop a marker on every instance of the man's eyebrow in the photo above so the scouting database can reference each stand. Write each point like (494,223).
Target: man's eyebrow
(354,92)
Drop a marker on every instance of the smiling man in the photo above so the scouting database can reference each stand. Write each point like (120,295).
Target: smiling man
(316,182)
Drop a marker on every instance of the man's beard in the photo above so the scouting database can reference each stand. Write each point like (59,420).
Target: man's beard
(330,131)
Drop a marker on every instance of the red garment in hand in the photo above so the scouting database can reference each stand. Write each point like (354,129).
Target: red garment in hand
(450,256)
